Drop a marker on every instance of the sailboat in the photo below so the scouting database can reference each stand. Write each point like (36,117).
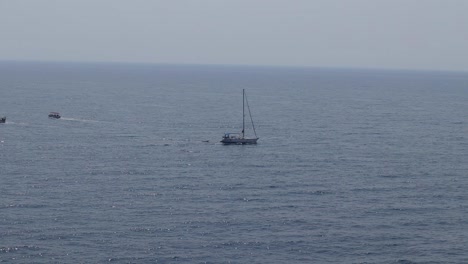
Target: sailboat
(239,138)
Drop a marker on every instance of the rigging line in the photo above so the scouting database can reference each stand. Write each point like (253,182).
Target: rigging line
(250,114)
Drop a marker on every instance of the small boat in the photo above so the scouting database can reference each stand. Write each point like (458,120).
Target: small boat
(54,115)
(2,120)
(239,138)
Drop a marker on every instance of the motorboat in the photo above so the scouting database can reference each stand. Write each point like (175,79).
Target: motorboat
(54,115)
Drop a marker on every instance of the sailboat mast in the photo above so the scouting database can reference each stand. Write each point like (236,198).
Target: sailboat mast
(250,115)
(243,114)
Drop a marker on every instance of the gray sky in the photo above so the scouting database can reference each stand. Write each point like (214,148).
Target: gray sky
(408,34)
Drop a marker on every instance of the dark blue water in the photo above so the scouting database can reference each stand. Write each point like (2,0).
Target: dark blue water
(352,166)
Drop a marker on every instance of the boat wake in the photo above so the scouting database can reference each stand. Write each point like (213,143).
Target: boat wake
(15,123)
(177,142)
(79,120)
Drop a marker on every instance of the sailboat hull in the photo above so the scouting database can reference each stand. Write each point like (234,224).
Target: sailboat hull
(239,141)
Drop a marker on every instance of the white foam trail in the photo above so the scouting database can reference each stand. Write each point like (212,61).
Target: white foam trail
(15,123)
(79,120)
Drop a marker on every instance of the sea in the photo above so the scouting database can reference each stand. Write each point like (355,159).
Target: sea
(351,165)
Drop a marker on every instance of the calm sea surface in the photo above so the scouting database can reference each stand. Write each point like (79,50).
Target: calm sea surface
(352,166)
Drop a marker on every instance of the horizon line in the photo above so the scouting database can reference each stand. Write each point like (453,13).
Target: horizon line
(234,65)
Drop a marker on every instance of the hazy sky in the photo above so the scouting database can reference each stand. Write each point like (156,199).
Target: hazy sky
(410,34)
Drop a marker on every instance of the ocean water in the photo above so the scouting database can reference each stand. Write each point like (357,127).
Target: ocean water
(352,166)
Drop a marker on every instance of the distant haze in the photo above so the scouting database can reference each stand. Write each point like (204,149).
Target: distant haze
(402,34)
